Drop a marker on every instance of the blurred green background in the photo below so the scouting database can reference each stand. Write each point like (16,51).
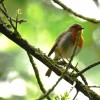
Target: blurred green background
(44,23)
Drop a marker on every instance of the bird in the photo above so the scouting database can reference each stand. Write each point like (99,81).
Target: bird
(65,44)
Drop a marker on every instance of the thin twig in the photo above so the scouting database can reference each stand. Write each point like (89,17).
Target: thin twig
(82,76)
(94,86)
(37,75)
(74,69)
(96,3)
(16,19)
(75,14)
(4,11)
(87,68)
(19,20)
(76,95)
(4,6)
(73,86)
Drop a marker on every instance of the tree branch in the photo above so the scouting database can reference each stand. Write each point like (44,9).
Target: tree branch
(37,75)
(75,69)
(87,68)
(75,14)
(46,61)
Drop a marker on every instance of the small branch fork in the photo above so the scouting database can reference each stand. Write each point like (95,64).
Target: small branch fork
(87,68)
(37,53)
(11,20)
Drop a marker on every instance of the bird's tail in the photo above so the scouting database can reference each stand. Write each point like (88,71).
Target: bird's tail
(48,73)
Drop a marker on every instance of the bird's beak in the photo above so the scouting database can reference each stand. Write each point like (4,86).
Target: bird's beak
(82,28)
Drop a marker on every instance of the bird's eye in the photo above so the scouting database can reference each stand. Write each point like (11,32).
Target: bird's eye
(80,28)
(74,27)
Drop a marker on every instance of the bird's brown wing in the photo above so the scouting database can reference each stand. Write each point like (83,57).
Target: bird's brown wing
(56,43)
(52,49)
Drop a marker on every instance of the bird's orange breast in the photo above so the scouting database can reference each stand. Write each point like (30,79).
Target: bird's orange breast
(74,38)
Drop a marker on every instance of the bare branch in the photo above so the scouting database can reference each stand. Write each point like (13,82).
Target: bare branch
(37,75)
(96,2)
(75,14)
(4,11)
(87,68)
(72,67)
(94,86)
(76,95)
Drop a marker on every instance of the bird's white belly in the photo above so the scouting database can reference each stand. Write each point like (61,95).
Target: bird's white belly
(69,52)
(66,52)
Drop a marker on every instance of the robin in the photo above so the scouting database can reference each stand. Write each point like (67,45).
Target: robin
(65,44)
